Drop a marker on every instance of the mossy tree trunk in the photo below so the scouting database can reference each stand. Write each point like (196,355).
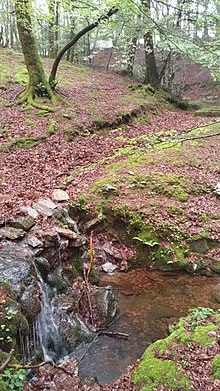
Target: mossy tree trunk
(38,84)
(151,73)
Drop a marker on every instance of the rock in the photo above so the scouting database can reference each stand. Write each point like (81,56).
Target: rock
(34,242)
(45,206)
(106,303)
(50,239)
(24,223)
(216,296)
(12,233)
(92,223)
(57,281)
(199,246)
(60,195)
(43,266)
(30,211)
(215,267)
(67,233)
(79,242)
(30,303)
(108,248)
(109,268)
(16,265)
(217,189)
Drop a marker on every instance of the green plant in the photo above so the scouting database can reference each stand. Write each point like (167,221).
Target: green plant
(150,243)
(13,379)
(198,315)
(81,203)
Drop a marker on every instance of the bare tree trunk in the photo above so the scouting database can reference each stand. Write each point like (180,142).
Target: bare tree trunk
(38,84)
(51,30)
(151,73)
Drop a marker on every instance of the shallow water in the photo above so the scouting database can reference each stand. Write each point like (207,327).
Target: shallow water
(149,302)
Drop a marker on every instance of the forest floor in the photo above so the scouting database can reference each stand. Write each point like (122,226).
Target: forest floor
(109,132)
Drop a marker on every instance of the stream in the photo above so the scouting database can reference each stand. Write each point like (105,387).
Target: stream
(149,302)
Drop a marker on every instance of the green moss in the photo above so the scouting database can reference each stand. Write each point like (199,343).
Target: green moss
(153,372)
(216,367)
(21,75)
(201,336)
(52,128)
(26,142)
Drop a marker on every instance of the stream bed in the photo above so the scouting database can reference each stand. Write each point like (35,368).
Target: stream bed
(149,302)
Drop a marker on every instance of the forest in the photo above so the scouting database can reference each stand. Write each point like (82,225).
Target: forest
(109,195)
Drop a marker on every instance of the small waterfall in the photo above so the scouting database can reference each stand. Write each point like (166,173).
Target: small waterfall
(44,341)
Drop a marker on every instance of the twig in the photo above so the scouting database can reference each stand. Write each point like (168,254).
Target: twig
(8,359)
(36,366)
(114,334)
(91,261)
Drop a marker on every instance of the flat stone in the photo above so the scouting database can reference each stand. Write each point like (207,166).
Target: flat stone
(12,233)
(67,233)
(45,206)
(30,211)
(24,223)
(92,223)
(60,195)
(217,189)
(108,267)
(34,242)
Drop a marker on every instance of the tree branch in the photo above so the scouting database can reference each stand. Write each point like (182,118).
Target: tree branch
(75,39)
(7,361)
(36,366)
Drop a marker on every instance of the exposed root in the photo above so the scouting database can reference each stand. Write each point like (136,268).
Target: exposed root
(29,95)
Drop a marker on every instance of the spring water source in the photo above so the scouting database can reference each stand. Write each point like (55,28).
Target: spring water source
(149,302)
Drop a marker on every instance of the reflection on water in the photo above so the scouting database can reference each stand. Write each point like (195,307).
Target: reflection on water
(149,302)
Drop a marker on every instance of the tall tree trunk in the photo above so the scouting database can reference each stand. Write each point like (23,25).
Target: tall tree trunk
(51,29)
(151,73)
(38,84)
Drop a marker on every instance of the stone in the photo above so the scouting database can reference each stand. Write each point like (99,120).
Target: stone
(43,266)
(16,265)
(12,233)
(92,223)
(216,296)
(45,206)
(30,304)
(67,233)
(217,189)
(199,246)
(60,195)
(79,242)
(107,304)
(56,281)
(109,268)
(108,248)
(30,211)
(24,223)
(34,242)
(215,267)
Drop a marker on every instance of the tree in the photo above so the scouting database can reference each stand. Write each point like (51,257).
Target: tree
(38,84)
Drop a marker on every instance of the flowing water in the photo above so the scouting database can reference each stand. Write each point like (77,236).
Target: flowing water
(149,303)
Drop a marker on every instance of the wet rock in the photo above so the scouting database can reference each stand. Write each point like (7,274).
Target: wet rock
(30,303)
(24,223)
(106,303)
(16,265)
(92,223)
(43,266)
(109,268)
(12,233)
(56,281)
(45,206)
(67,233)
(50,238)
(60,195)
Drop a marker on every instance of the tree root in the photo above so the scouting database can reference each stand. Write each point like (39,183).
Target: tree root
(28,97)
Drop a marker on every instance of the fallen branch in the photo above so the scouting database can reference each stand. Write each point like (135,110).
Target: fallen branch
(37,366)
(7,361)
(114,334)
